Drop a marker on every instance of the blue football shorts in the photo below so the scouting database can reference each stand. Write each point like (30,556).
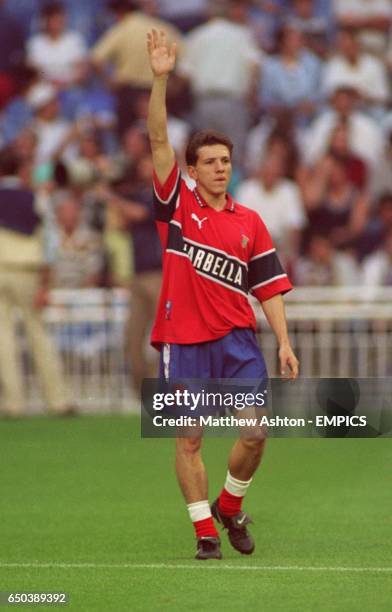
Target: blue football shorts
(226,370)
(234,356)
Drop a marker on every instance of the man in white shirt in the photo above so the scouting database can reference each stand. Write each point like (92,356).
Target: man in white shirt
(365,135)
(372,18)
(221,61)
(350,65)
(58,54)
(278,202)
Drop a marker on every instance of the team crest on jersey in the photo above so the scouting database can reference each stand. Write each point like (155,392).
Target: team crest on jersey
(244,241)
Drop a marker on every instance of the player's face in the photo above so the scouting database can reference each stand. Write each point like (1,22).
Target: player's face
(212,171)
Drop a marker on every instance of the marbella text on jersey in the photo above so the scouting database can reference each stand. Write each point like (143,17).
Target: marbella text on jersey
(216,265)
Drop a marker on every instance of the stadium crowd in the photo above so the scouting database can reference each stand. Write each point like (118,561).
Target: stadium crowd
(302,87)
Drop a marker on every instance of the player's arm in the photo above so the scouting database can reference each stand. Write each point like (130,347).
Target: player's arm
(162,61)
(267,282)
(275,315)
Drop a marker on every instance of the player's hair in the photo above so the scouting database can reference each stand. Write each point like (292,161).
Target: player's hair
(203,139)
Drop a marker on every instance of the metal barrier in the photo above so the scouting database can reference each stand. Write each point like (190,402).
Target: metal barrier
(334,332)
(88,327)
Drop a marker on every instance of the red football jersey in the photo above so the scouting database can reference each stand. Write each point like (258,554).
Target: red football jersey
(212,260)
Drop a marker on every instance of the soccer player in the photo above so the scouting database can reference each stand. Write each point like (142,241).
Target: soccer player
(215,251)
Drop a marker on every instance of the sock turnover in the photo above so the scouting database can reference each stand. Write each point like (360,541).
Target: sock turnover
(201,517)
(232,494)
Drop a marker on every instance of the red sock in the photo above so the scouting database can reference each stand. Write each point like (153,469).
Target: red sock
(205,528)
(229,504)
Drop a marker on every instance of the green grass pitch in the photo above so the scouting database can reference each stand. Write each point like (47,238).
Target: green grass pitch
(89,508)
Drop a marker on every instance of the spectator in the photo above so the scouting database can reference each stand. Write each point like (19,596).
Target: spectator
(324,266)
(339,146)
(77,251)
(371,19)
(178,129)
(25,146)
(24,283)
(123,47)
(60,55)
(222,62)
(378,227)
(365,136)
(93,108)
(137,210)
(377,268)
(88,174)
(278,202)
(291,79)
(134,147)
(88,17)
(314,26)
(334,204)
(260,134)
(351,65)
(282,143)
(55,135)
(265,18)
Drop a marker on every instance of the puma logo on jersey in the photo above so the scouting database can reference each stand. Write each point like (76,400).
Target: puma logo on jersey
(198,221)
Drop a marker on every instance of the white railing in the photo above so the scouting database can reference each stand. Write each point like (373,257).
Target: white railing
(335,332)
(89,329)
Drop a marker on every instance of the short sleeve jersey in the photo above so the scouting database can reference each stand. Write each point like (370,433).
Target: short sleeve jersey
(212,260)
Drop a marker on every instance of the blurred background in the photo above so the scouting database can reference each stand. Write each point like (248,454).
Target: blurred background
(303,88)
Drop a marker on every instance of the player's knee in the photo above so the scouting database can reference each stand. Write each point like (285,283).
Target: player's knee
(189,446)
(254,444)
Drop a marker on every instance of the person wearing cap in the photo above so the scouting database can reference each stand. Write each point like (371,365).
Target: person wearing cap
(55,134)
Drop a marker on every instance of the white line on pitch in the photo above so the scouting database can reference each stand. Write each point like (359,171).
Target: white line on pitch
(173,566)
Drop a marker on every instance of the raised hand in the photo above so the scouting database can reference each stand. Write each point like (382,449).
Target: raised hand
(162,56)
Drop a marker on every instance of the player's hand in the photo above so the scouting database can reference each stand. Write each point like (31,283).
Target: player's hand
(289,364)
(162,55)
